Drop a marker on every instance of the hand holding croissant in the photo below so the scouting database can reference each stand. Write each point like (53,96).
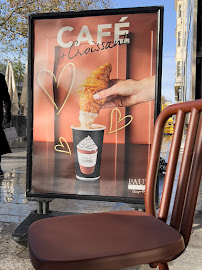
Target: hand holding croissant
(127,93)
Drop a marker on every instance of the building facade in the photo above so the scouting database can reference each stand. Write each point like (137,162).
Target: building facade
(186,48)
(180,56)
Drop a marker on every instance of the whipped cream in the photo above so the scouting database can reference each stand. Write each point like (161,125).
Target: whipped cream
(87,144)
(87,118)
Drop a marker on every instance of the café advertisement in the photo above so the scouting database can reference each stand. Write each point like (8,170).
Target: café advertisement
(93,95)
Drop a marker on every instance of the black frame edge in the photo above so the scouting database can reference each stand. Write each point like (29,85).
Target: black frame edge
(53,15)
(30,106)
(158,80)
(138,10)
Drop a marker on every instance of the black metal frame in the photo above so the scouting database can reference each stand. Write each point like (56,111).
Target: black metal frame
(155,9)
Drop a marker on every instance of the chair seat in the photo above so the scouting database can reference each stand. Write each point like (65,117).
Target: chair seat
(110,240)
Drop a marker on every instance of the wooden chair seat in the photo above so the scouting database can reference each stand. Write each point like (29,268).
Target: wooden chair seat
(102,241)
(114,240)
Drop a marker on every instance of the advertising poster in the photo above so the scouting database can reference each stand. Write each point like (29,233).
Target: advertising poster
(94,91)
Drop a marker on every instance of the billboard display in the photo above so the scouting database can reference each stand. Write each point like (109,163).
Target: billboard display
(94,93)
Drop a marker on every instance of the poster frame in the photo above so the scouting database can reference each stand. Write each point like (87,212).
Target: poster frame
(137,10)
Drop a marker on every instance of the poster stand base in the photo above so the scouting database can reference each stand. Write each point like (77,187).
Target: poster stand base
(20,234)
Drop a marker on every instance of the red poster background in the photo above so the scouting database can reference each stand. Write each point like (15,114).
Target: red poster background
(54,172)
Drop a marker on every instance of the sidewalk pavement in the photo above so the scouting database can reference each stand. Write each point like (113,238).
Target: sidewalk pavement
(14,208)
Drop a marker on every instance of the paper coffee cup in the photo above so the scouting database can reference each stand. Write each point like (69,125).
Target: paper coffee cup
(88,150)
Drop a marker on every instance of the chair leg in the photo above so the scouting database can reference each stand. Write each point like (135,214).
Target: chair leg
(163,266)
(153,265)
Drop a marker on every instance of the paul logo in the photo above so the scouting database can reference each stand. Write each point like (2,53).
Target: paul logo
(137,185)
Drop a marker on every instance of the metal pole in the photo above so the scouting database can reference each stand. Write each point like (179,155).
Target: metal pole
(39,208)
(45,208)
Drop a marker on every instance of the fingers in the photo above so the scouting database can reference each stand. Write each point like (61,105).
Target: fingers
(115,101)
(120,87)
(106,93)
(127,93)
(110,104)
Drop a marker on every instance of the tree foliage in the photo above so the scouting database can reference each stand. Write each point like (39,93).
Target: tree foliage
(164,100)
(14,26)
(14,18)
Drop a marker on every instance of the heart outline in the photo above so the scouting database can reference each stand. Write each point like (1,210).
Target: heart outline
(62,145)
(119,120)
(68,93)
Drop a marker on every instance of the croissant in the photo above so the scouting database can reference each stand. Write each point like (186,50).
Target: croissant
(95,82)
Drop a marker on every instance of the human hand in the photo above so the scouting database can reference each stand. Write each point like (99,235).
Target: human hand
(127,93)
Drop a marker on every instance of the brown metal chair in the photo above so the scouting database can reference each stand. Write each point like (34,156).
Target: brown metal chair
(115,240)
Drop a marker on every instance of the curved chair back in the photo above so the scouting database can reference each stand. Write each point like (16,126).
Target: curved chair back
(190,168)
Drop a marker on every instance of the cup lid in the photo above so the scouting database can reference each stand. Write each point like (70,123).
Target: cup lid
(95,127)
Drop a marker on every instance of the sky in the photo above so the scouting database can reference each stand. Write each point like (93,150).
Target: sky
(169,40)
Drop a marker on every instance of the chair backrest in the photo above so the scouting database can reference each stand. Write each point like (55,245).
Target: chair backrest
(190,168)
